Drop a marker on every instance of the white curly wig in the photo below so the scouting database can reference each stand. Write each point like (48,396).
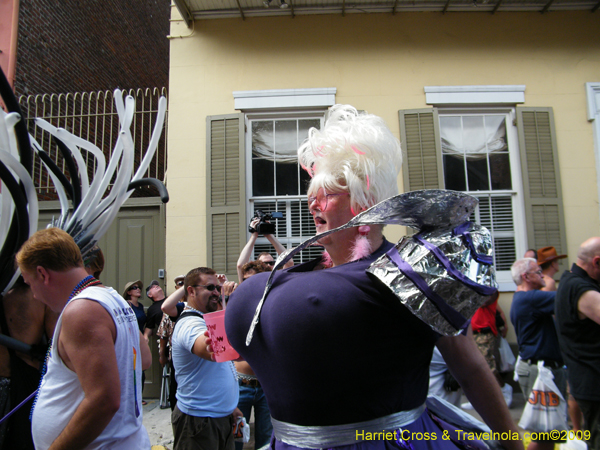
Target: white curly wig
(355,153)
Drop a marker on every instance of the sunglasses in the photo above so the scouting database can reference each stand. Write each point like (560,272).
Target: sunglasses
(132,288)
(322,199)
(209,287)
(269,263)
(179,283)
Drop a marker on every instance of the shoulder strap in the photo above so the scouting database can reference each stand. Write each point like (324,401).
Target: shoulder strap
(190,313)
(187,314)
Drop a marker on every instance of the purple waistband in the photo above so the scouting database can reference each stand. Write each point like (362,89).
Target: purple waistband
(453,317)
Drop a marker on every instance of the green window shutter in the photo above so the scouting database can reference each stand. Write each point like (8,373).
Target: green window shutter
(422,156)
(226,192)
(541,179)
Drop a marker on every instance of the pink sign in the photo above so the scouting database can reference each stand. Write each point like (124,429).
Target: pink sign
(215,322)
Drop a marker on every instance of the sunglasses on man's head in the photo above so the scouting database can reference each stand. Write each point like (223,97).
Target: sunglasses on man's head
(209,287)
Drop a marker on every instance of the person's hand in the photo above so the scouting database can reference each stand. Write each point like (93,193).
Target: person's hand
(222,278)
(237,413)
(238,424)
(253,224)
(229,287)
(209,347)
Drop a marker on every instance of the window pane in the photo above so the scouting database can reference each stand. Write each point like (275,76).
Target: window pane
(505,253)
(286,139)
(452,136)
(262,167)
(304,126)
(281,224)
(495,131)
(454,173)
(304,181)
(495,213)
(473,134)
(484,213)
(502,214)
(308,223)
(500,171)
(287,179)
(477,173)
(262,177)
(262,137)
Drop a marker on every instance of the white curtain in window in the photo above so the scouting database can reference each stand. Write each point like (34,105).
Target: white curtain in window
(473,137)
(286,150)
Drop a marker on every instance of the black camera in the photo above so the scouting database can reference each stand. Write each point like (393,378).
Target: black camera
(264,227)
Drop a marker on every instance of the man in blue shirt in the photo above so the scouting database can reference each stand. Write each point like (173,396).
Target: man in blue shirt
(207,391)
(531,314)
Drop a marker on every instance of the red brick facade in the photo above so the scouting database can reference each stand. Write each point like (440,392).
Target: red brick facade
(91,45)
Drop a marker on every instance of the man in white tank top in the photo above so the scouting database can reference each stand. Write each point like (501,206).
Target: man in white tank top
(90,395)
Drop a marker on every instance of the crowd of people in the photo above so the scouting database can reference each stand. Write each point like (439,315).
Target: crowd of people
(336,358)
(555,324)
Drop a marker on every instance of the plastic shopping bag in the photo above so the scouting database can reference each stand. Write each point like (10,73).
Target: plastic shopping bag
(507,358)
(241,431)
(546,408)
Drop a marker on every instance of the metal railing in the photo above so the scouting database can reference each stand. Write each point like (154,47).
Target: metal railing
(93,117)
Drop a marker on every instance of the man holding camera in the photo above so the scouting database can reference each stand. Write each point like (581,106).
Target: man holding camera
(260,225)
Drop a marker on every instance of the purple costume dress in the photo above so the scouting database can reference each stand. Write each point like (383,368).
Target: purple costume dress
(334,347)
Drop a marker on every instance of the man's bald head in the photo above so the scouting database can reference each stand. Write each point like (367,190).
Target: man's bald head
(589,249)
(588,257)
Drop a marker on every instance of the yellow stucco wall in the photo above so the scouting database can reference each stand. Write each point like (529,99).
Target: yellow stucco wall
(379,63)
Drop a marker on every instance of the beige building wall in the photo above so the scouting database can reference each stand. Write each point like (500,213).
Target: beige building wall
(379,63)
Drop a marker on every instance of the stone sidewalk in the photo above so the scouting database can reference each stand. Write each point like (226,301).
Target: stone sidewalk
(158,424)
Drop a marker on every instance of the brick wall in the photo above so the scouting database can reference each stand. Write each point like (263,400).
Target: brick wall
(89,45)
